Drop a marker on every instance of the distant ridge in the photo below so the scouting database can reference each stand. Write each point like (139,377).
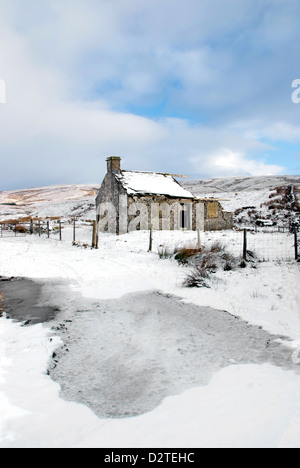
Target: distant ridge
(239,184)
(237,195)
(54,193)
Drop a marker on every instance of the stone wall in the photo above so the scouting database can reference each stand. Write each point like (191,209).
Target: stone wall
(108,204)
(119,212)
(216,219)
(160,211)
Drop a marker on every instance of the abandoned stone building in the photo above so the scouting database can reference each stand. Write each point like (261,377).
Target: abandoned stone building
(132,200)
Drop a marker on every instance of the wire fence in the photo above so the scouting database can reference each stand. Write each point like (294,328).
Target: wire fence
(73,230)
(247,244)
(12,230)
(270,246)
(264,244)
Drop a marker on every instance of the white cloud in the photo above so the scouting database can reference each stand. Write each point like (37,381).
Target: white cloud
(226,162)
(218,151)
(276,130)
(57,52)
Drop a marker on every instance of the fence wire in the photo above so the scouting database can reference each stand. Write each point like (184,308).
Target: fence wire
(72,231)
(271,246)
(7,230)
(260,245)
(263,245)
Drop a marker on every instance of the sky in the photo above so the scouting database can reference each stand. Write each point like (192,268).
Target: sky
(205,88)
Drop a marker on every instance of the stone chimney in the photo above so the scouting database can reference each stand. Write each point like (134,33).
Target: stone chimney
(114,164)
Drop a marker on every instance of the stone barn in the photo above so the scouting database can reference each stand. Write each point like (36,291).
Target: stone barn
(131,200)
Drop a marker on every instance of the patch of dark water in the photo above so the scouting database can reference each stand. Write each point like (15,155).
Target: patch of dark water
(23,299)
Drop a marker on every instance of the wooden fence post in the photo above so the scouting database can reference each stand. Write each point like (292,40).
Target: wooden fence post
(97,231)
(245,245)
(296,243)
(60,236)
(48,229)
(150,240)
(74,231)
(94,240)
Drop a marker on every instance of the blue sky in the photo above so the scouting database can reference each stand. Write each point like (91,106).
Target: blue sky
(200,87)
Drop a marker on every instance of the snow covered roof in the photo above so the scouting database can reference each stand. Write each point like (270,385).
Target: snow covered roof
(152,183)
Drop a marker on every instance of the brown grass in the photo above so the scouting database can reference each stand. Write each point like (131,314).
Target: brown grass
(207,261)
(280,199)
(21,229)
(17,221)
(183,253)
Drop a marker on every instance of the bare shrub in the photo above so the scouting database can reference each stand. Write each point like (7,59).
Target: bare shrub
(208,261)
(184,253)
(181,253)
(197,278)
(217,247)
(203,261)
(20,229)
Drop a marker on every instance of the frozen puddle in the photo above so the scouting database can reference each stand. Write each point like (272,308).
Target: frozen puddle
(24,300)
(123,357)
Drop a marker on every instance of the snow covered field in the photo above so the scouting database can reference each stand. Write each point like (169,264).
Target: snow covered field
(242,405)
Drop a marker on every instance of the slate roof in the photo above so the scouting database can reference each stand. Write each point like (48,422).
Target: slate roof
(152,183)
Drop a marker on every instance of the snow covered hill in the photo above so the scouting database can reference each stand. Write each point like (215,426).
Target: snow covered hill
(249,198)
(61,201)
(239,184)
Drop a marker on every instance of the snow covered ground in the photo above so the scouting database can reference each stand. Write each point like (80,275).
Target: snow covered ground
(242,405)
